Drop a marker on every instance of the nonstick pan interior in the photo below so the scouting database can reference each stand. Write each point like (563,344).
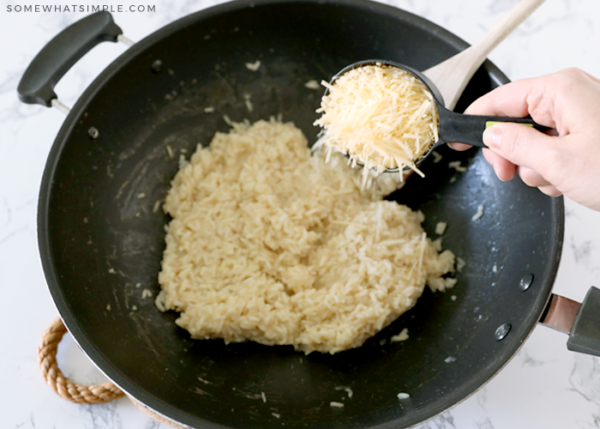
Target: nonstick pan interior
(102,237)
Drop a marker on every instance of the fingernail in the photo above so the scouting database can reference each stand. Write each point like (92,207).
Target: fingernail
(498,174)
(492,136)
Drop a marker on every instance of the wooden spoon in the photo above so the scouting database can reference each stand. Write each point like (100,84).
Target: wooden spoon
(451,76)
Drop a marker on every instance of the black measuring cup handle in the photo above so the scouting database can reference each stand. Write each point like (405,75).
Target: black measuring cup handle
(61,53)
(468,129)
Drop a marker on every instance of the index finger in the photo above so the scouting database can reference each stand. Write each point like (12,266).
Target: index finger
(518,99)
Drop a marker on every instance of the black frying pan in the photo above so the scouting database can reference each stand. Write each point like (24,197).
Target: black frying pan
(99,239)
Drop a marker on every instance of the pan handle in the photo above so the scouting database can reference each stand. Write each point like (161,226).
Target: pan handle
(580,321)
(61,53)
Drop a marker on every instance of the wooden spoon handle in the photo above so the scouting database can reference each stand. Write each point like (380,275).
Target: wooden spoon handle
(451,76)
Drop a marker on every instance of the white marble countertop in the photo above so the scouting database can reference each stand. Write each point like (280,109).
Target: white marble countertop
(545,386)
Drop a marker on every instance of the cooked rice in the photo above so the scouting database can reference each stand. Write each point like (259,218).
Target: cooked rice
(272,245)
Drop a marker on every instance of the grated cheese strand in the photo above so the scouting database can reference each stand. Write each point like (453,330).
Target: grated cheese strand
(382,117)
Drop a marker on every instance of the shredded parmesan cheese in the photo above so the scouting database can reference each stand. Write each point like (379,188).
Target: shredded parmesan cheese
(402,336)
(479,213)
(248,102)
(449,282)
(456,165)
(440,228)
(347,389)
(312,84)
(253,66)
(382,117)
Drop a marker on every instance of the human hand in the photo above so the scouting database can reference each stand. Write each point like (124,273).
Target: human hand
(564,161)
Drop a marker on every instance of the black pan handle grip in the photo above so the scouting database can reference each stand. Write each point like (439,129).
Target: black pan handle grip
(61,53)
(585,332)
(459,128)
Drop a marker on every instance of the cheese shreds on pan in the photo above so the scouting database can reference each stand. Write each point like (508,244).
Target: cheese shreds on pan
(402,336)
(440,228)
(253,66)
(380,116)
(312,84)
(479,214)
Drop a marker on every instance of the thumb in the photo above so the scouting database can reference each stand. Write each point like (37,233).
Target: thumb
(522,145)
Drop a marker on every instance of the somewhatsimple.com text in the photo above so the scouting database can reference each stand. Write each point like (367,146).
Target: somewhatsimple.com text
(87,8)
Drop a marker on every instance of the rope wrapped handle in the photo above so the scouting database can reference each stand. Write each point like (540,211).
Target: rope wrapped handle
(65,388)
(75,392)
